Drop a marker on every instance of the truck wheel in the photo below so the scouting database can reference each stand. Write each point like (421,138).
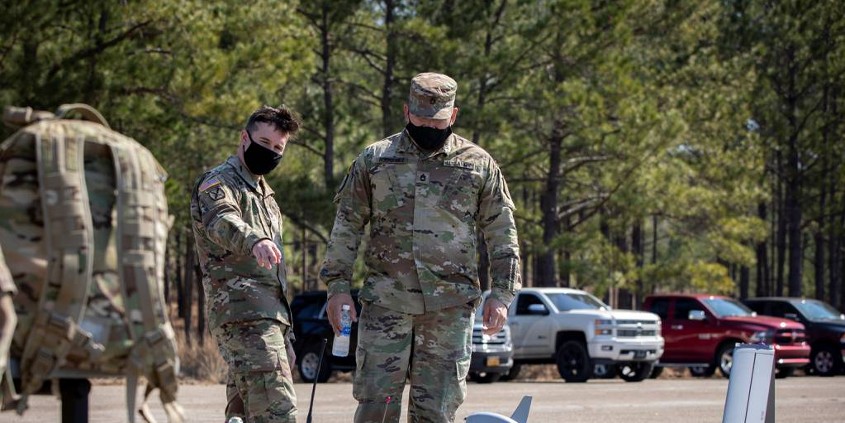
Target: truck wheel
(725,359)
(573,362)
(486,377)
(656,372)
(826,361)
(702,371)
(307,363)
(784,372)
(512,373)
(635,371)
(604,371)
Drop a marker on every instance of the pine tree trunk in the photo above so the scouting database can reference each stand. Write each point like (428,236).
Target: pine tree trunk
(780,235)
(763,287)
(548,204)
(391,39)
(637,247)
(744,279)
(328,98)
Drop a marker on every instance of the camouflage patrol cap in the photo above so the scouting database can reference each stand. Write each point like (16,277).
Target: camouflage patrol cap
(432,95)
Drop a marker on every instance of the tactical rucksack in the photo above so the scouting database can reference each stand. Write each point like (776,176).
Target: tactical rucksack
(83,225)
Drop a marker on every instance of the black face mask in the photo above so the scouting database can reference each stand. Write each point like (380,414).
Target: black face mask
(428,139)
(259,159)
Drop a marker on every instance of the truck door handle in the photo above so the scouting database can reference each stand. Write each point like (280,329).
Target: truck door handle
(677,327)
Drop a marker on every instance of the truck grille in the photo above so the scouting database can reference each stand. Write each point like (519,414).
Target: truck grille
(497,339)
(633,333)
(635,328)
(636,322)
(790,336)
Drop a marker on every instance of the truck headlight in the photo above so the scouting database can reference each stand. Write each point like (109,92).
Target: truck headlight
(604,327)
(762,337)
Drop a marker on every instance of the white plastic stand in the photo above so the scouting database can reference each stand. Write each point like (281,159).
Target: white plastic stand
(520,415)
(751,390)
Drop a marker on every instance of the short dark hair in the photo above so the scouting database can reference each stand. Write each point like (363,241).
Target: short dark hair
(282,118)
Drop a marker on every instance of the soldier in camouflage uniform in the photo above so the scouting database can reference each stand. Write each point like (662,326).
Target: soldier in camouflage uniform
(238,231)
(425,192)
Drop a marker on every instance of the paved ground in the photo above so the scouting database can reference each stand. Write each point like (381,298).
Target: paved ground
(798,400)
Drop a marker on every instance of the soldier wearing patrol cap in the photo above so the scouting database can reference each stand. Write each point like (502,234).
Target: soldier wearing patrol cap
(238,231)
(425,192)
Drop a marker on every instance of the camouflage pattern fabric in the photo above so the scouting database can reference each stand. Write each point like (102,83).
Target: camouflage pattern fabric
(122,328)
(259,369)
(233,210)
(22,236)
(432,96)
(438,344)
(7,284)
(424,211)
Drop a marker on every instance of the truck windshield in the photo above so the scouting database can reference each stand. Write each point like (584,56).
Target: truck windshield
(574,301)
(817,310)
(723,307)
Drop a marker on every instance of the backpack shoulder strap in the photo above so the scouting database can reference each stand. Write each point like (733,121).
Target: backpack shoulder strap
(68,239)
(142,233)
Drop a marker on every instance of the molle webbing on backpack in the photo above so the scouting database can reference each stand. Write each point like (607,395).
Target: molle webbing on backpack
(142,232)
(92,254)
(68,237)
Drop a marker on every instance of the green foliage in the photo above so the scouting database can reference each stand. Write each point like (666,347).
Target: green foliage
(667,118)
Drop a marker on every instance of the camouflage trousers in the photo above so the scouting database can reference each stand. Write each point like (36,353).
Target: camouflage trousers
(432,350)
(259,370)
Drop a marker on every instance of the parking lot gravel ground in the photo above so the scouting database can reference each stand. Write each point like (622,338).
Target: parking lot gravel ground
(798,400)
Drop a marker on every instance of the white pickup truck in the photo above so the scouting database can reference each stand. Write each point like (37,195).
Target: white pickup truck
(578,332)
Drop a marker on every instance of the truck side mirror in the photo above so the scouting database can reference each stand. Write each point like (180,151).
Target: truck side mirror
(696,315)
(538,309)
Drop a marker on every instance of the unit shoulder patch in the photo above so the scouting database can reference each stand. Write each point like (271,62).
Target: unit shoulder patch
(216,194)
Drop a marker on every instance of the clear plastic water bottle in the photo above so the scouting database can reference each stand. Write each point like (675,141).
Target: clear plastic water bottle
(340,346)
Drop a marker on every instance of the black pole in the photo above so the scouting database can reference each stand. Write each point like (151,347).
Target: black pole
(74,393)
(316,377)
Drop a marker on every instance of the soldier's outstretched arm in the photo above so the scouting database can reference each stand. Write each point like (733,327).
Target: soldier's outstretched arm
(218,210)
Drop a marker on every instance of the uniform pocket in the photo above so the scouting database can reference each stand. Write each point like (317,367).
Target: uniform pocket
(460,194)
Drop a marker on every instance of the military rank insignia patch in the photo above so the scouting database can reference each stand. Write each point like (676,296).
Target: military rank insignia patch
(216,194)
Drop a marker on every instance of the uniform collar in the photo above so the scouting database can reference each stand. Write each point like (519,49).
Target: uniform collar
(407,145)
(254,181)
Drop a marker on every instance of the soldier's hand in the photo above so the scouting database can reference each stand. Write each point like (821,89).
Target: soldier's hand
(266,253)
(333,310)
(494,317)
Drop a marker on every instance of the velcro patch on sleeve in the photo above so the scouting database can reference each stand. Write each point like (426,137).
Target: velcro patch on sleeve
(209,183)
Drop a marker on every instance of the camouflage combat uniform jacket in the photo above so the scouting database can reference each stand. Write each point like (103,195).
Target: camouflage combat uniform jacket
(231,212)
(424,210)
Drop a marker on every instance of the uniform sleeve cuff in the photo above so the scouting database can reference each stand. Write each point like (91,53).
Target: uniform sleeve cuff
(253,239)
(338,287)
(505,297)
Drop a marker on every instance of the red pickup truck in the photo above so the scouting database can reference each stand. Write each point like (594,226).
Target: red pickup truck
(701,331)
